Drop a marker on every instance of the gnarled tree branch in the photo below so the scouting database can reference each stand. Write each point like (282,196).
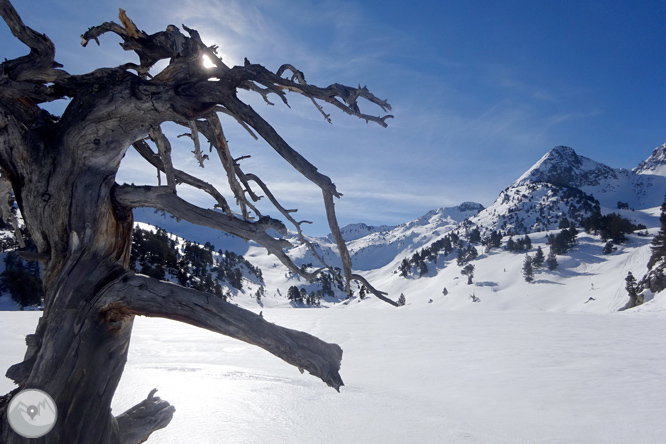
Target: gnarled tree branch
(39,65)
(287,215)
(139,422)
(161,198)
(143,295)
(164,150)
(218,140)
(340,242)
(192,83)
(182,177)
(266,131)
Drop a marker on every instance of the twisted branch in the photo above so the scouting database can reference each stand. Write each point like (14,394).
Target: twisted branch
(143,295)
(182,177)
(139,422)
(161,198)
(198,100)
(164,150)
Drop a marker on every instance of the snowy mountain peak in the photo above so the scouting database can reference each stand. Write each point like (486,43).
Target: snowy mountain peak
(469,207)
(356,231)
(655,164)
(562,166)
(457,214)
(564,184)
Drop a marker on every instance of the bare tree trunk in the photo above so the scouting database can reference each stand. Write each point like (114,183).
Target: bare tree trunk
(62,174)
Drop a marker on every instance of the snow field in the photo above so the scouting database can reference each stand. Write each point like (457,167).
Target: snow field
(584,273)
(413,374)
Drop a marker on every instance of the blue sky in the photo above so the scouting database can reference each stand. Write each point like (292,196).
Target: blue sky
(480,89)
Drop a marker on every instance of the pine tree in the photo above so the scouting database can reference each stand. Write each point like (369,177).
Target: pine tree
(528,270)
(460,257)
(551,261)
(564,241)
(261,292)
(608,248)
(469,272)
(539,258)
(466,254)
(401,300)
(475,236)
(573,233)
(294,294)
(455,239)
(632,289)
(495,239)
(404,268)
(659,241)
(527,243)
(472,253)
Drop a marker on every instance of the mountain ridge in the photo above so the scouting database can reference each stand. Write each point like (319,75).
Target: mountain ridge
(561,185)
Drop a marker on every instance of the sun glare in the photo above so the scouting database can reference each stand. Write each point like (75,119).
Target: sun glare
(207,62)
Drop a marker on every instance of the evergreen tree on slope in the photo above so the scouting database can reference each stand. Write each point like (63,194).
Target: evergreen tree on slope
(659,241)
(528,269)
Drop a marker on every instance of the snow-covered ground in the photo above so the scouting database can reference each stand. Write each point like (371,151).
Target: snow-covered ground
(417,374)
(499,361)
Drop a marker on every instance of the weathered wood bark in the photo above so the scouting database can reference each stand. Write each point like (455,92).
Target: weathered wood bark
(62,174)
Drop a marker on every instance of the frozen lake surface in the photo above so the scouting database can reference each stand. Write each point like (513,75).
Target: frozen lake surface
(412,375)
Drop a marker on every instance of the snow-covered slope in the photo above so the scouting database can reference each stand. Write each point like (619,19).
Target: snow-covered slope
(356,231)
(189,231)
(379,249)
(383,244)
(533,207)
(585,280)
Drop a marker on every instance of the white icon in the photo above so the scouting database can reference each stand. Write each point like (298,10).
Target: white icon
(32,413)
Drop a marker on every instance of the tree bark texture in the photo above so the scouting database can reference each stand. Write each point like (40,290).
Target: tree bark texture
(61,172)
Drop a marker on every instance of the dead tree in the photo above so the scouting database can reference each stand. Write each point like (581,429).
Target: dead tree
(61,172)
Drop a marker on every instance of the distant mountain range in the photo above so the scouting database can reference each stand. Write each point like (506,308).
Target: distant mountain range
(564,184)
(560,188)
(561,185)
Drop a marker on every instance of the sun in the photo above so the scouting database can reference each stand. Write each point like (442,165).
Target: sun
(207,62)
